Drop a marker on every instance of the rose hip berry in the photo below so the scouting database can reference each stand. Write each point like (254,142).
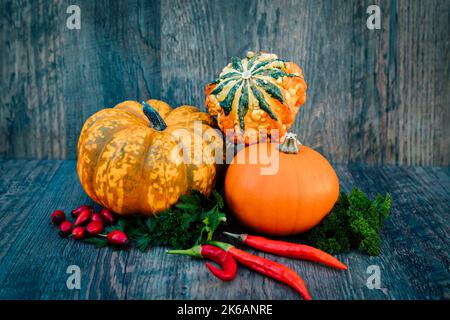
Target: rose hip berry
(117,238)
(83,217)
(65,228)
(58,216)
(94,228)
(78,233)
(97,217)
(77,211)
(108,216)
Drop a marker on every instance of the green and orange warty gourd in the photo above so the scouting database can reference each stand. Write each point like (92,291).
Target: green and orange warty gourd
(292,199)
(257,93)
(129,157)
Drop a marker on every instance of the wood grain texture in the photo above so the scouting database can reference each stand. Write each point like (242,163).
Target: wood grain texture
(118,47)
(374,96)
(366,97)
(33,259)
(32,121)
(54,78)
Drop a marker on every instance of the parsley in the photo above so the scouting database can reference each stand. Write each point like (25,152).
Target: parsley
(354,222)
(191,221)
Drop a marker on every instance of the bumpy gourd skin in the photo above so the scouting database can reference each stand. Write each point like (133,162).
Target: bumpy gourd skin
(129,167)
(259,92)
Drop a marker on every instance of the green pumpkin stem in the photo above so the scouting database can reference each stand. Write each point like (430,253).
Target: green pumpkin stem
(290,144)
(156,121)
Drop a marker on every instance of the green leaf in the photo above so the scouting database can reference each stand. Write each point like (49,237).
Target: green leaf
(149,224)
(191,202)
(271,89)
(120,225)
(355,222)
(192,220)
(383,205)
(217,199)
(226,104)
(99,242)
(262,102)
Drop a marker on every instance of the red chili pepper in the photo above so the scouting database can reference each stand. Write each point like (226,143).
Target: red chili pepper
(267,267)
(219,256)
(290,250)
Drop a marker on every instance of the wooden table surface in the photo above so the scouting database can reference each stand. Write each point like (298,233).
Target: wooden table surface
(414,263)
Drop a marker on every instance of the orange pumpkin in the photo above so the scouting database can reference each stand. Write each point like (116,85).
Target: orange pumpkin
(131,157)
(284,199)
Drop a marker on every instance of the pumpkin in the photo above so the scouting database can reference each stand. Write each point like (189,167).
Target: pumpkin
(256,95)
(291,197)
(132,158)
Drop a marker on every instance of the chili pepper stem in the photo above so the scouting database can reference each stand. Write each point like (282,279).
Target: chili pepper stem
(222,245)
(193,252)
(240,237)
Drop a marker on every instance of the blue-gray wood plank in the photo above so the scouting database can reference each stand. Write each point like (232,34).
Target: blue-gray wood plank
(414,263)
(374,96)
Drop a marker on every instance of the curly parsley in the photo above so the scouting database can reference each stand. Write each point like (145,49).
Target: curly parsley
(354,222)
(191,221)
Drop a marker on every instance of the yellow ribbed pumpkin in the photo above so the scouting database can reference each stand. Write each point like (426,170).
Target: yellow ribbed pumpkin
(130,161)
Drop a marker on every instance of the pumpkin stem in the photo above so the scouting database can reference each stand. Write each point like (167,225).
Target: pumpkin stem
(290,143)
(156,121)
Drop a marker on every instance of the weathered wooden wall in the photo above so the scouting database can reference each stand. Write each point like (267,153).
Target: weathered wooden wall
(379,97)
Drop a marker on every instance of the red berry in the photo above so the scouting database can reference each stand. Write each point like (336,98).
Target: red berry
(108,216)
(83,217)
(57,217)
(77,211)
(117,238)
(97,217)
(78,233)
(94,228)
(65,228)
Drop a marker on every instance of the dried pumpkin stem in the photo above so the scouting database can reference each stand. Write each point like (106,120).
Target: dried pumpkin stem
(290,144)
(156,121)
